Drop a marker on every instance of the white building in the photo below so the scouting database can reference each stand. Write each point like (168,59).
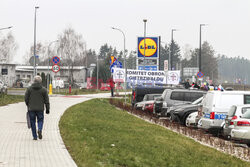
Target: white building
(79,72)
(7,73)
(10,73)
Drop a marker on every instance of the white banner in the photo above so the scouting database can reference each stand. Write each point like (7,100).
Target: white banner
(173,77)
(140,76)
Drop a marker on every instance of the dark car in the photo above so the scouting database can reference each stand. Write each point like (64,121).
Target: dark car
(172,97)
(180,113)
(138,93)
(148,98)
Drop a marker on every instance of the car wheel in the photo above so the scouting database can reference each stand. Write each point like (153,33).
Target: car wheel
(185,120)
(226,136)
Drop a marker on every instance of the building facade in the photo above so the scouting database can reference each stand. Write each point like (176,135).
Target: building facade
(11,73)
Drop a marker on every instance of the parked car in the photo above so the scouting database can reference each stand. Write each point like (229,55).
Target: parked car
(192,120)
(216,105)
(241,130)
(138,93)
(182,112)
(148,98)
(172,97)
(235,113)
(148,105)
(56,84)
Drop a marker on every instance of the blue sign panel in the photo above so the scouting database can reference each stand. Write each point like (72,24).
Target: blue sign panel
(116,64)
(55,60)
(148,68)
(200,74)
(151,47)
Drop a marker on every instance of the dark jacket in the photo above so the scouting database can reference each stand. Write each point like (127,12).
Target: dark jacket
(187,85)
(36,97)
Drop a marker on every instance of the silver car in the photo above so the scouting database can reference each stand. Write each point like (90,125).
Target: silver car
(234,114)
(191,120)
(241,127)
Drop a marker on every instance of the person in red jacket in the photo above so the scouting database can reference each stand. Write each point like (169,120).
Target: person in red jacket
(112,85)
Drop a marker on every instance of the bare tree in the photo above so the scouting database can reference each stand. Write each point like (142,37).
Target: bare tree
(72,49)
(41,52)
(8,47)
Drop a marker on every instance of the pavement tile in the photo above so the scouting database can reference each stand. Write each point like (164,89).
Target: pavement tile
(17,147)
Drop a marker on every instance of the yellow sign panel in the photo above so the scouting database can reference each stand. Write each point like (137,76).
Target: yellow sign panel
(151,47)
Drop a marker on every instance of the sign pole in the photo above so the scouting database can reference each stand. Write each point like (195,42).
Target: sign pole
(145,21)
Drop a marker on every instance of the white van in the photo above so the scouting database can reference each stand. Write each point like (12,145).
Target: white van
(58,84)
(216,105)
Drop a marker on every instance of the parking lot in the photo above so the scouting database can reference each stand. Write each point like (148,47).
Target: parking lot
(224,114)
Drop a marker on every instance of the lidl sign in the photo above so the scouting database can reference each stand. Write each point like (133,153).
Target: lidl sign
(151,46)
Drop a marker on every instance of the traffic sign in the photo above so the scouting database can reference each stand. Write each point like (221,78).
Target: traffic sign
(116,64)
(55,60)
(148,68)
(200,74)
(55,68)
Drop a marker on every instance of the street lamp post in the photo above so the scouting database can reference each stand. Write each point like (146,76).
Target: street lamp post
(199,62)
(145,21)
(171,50)
(97,71)
(48,75)
(35,70)
(124,56)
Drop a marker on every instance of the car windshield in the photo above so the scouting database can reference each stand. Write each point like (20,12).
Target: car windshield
(246,112)
(150,97)
(156,96)
(198,100)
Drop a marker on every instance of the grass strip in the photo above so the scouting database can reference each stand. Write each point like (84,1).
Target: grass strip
(98,134)
(10,99)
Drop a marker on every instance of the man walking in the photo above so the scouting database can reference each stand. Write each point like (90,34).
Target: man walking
(36,97)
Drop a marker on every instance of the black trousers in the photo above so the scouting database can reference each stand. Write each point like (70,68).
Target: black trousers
(112,92)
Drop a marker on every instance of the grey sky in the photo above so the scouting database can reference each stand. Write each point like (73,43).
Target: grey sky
(228,30)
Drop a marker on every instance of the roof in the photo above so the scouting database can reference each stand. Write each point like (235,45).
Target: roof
(242,105)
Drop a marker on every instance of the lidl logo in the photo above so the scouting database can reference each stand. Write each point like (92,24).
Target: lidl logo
(150,45)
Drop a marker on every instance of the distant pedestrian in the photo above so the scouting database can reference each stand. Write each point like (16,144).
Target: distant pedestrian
(112,85)
(21,84)
(36,97)
(187,84)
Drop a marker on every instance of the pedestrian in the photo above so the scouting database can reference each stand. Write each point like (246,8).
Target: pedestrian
(111,84)
(187,84)
(36,97)
(21,84)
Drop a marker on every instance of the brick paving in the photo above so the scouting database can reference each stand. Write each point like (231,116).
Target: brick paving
(17,147)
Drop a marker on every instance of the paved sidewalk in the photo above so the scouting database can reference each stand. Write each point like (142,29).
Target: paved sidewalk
(17,147)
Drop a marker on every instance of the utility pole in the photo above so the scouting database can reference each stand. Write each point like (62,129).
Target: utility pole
(171,48)
(145,21)
(35,70)
(200,49)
